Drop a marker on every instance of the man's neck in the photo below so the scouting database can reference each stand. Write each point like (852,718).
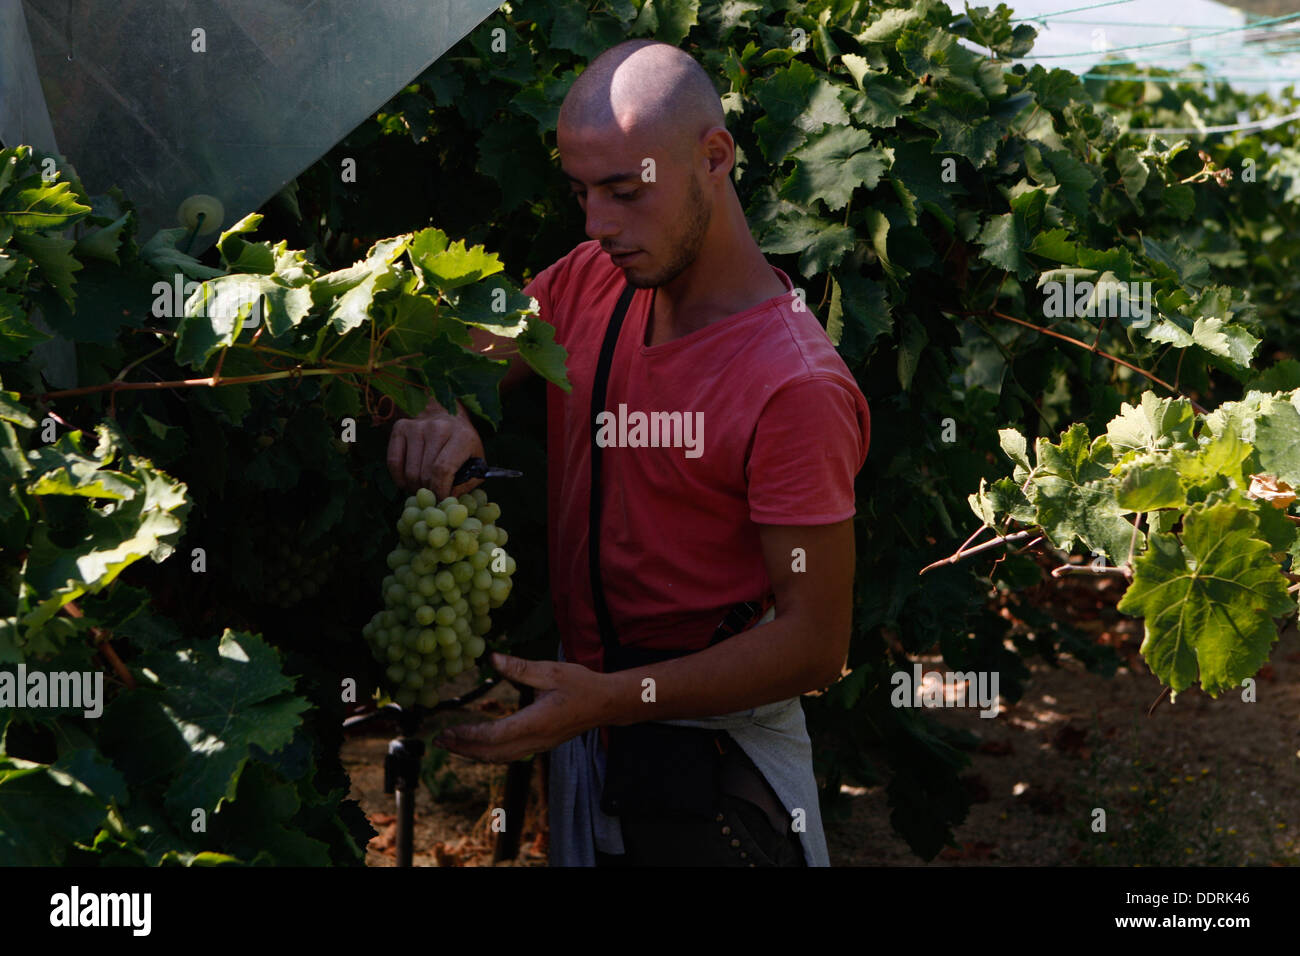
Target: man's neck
(710,291)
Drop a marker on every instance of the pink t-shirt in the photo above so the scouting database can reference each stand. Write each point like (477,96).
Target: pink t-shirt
(773,429)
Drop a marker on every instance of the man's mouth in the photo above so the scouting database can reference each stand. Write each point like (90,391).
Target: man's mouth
(621,257)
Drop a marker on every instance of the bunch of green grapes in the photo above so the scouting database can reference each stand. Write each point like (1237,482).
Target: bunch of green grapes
(448,569)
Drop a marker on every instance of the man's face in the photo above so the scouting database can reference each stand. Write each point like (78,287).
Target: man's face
(663,223)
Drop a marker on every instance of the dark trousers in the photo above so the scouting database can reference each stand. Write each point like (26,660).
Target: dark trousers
(748,827)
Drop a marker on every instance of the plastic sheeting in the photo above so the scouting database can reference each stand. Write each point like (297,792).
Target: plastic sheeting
(231,98)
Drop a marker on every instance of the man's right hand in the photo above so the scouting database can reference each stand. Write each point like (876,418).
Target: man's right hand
(426,451)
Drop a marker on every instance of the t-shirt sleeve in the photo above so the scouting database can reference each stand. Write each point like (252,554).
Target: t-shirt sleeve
(810,441)
(547,287)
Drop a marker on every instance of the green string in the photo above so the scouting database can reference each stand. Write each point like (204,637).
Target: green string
(1147,46)
(1061,13)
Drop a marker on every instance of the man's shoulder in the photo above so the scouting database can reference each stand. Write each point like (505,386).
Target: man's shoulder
(793,346)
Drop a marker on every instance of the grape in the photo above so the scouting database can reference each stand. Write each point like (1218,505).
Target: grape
(447,570)
(502,537)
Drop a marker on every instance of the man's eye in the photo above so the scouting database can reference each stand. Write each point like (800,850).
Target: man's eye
(631,195)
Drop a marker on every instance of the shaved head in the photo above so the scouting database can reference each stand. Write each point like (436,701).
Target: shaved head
(645,87)
(643,139)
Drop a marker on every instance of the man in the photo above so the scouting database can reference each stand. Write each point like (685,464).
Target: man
(752,496)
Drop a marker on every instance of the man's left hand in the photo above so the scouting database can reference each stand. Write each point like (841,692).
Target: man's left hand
(571,700)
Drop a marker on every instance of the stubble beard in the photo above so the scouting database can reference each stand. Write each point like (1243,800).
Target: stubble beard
(686,245)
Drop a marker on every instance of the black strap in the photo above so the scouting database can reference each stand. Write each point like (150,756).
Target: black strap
(608,638)
(617,657)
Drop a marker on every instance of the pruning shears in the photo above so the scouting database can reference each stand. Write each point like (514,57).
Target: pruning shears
(478,468)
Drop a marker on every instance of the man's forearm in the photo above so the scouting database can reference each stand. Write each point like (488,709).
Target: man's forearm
(763,664)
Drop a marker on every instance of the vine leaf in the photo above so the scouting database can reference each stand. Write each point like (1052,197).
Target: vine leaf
(1208,601)
(194,730)
(1073,498)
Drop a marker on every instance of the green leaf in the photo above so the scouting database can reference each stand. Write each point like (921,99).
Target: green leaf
(53,256)
(539,349)
(859,315)
(48,207)
(950,65)
(820,242)
(796,101)
(668,20)
(447,267)
(103,242)
(496,305)
(17,336)
(1153,425)
(830,165)
(1006,238)
(1208,600)
(164,256)
(880,98)
(196,728)
(1277,438)
(1149,486)
(1013,444)
(994,503)
(42,812)
(1133,173)
(964,126)
(1074,498)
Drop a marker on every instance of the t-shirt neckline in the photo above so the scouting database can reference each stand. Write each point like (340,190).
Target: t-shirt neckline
(692,337)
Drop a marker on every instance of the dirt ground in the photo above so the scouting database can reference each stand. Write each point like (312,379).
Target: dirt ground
(1199,782)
